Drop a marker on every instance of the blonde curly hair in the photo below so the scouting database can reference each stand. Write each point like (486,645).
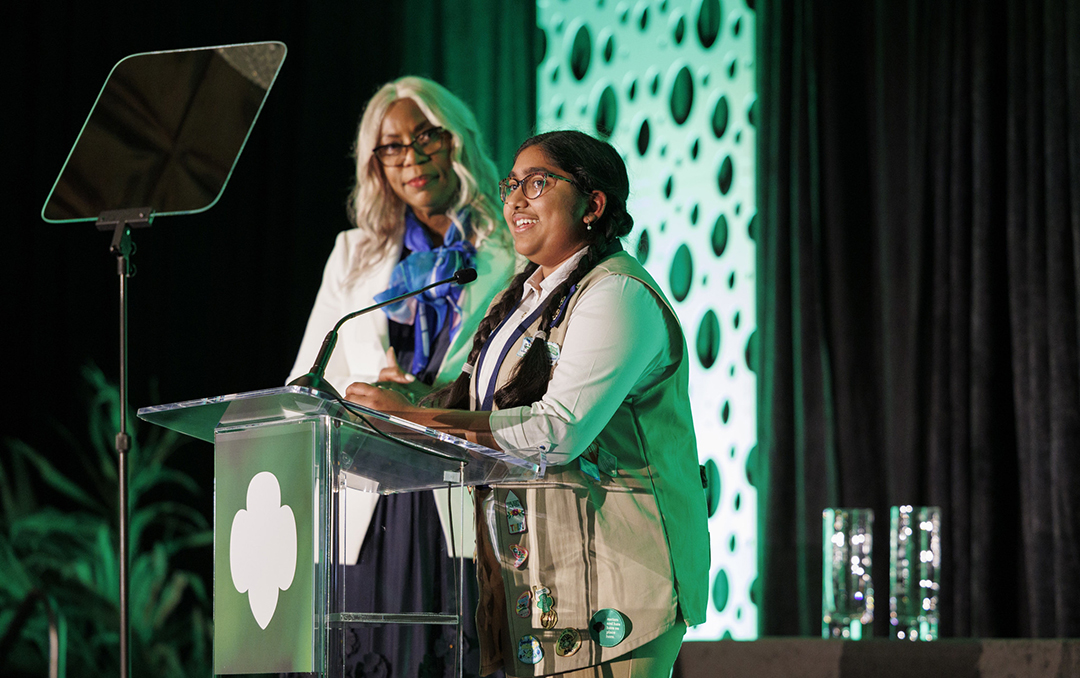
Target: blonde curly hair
(378,212)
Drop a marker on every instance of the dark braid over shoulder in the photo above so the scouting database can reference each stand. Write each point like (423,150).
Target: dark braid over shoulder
(456,395)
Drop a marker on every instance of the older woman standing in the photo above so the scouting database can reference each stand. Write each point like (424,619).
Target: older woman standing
(597,568)
(423,206)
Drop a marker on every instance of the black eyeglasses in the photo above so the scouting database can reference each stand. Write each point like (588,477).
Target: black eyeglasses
(427,142)
(532,186)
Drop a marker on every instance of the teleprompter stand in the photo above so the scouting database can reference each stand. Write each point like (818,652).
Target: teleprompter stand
(162,139)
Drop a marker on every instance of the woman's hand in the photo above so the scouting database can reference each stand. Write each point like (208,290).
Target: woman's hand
(392,372)
(378,398)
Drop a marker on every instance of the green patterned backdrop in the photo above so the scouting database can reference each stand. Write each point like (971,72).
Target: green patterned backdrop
(671,85)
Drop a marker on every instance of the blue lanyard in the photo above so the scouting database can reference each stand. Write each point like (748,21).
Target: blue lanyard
(489,394)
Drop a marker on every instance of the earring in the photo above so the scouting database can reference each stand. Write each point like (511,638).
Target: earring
(588,222)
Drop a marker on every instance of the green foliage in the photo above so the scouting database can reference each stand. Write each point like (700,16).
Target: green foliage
(59,531)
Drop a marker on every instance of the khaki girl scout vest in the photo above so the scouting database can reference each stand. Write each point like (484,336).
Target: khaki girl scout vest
(615,548)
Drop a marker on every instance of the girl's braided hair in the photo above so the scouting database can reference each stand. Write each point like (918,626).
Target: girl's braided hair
(594,166)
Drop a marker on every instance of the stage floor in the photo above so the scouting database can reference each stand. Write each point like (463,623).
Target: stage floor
(813,658)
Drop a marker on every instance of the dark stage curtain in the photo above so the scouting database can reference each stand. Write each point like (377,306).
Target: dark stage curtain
(918,265)
(486,52)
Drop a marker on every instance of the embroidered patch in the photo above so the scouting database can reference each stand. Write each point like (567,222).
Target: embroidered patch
(515,514)
(544,601)
(520,553)
(529,650)
(524,605)
(568,643)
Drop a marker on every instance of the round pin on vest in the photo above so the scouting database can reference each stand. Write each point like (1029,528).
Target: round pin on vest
(568,643)
(608,627)
(549,619)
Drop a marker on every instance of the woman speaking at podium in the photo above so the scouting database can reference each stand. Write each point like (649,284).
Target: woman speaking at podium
(424,204)
(597,568)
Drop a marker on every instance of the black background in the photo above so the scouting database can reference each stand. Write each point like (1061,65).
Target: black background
(220,299)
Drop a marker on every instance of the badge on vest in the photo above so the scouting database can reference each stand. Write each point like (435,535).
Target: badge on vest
(549,619)
(520,553)
(568,643)
(608,627)
(588,468)
(544,601)
(529,650)
(608,463)
(553,349)
(524,605)
(515,514)
(596,461)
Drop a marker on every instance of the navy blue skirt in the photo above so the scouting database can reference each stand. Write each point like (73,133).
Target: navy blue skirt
(404,567)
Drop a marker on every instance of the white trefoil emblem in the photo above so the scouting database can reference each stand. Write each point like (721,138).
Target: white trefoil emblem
(262,547)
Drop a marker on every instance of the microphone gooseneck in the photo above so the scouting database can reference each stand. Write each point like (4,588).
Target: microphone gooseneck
(315,380)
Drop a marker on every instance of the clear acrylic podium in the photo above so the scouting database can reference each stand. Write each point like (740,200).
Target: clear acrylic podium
(283,459)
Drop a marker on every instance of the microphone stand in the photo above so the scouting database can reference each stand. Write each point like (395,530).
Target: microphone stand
(314,379)
(121,222)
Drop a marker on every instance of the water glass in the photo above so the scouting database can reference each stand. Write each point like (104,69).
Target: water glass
(847,591)
(914,572)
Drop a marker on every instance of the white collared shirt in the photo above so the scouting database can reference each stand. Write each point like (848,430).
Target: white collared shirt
(617,345)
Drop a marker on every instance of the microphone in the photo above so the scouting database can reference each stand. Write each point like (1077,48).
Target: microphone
(462,276)
(314,379)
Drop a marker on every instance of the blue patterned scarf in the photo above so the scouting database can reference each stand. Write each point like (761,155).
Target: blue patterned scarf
(429,312)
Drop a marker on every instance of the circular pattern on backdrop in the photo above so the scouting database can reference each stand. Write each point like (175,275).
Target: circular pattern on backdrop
(678,31)
(708,340)
(720,117)
(751,352)
(713,485)
(719,236)
(708,22)
(609,48)
(607,113)
(721,590)
(682,96)
(751,466)
(581,53)
(725,176)
(682,273)
(643,17)
(643,137)
(540,43)
(642,249)
(670,83)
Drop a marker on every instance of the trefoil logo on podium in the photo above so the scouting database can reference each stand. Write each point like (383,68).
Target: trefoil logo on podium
(262,547)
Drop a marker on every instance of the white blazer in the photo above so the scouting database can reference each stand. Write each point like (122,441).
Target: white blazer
(361,353)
